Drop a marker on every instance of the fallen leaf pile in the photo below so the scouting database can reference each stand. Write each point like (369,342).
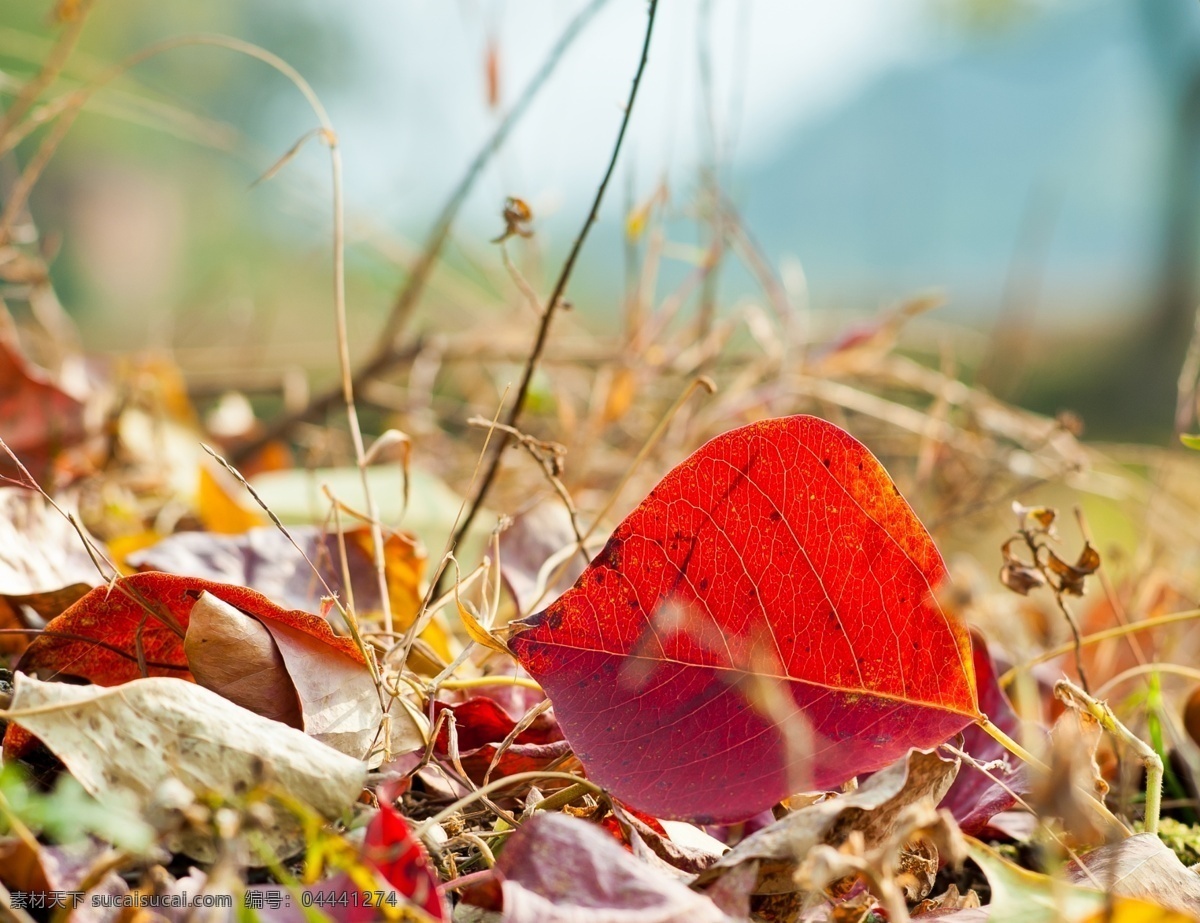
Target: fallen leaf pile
(735,713)
(383,658)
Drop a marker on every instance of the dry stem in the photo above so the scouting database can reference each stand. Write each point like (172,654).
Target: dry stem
(556,296)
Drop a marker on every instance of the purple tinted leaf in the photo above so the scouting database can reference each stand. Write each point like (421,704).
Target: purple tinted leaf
(534,537)
(557,869)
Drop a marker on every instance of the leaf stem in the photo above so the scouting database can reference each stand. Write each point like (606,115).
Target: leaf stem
(475,682)
(998,735)
(561,799)
(555,302)
(1067,690)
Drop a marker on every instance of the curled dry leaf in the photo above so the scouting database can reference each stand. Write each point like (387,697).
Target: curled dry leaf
(1022,896)
(1141,866)
(557,869)
(1017,575)
(145,733)
(1071,576)
(873,809)
(235,656)
(282,673)
(948,900)
(1035,519)
(899,869)
(772,599)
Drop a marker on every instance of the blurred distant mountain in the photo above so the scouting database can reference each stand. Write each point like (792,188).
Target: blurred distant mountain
(1035,151)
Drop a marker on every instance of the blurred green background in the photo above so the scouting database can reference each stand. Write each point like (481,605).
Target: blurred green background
(1036,160)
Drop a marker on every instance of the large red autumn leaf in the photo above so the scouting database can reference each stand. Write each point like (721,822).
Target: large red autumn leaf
(766,620)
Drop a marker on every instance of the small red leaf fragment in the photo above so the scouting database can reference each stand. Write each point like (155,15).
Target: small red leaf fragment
(481,726)
(765,621)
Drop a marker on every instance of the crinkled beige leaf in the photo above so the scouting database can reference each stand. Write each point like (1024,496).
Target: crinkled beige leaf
(40,551)
(1141,866)
(137,736)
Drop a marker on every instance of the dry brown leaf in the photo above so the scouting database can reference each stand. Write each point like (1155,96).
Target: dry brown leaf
(873,810)
(335,698)
(898,868)
(235,656)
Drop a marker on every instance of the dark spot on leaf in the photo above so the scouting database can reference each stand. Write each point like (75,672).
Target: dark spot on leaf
(825,462)
(775,516)
(611,555)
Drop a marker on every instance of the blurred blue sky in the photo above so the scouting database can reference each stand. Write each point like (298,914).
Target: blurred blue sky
(887,146)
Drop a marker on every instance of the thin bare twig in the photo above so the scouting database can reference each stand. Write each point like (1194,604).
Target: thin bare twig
(549,456)
(556,296)
(387,353)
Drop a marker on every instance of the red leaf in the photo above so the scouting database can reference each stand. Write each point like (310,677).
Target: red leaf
(402,861)
(37,418)
(482,725)
(764,621)
(480,721)
(392,851)
(98,638)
